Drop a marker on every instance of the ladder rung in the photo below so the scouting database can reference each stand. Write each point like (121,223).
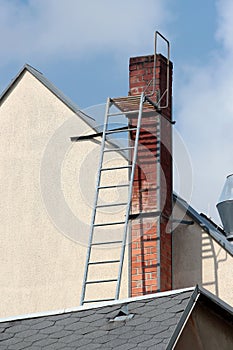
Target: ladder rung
(102,281)
(110,223)
(116,168)
(105,243)
(110,205)
(118,149)
(120,239)
(122,113)
(207,250)
(103,262)
(113,186)
(97,300)
(119,130)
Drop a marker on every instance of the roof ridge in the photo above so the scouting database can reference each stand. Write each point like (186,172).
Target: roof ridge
(29,67)
(52,88)
(98,305)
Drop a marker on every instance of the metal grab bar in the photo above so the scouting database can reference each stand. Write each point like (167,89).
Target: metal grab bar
(166,91)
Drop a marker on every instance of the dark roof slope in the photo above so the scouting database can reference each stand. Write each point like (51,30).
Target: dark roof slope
(145,323)
(138,323)
(206,224)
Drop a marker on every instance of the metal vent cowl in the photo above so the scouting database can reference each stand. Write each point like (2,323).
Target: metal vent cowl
(225,207)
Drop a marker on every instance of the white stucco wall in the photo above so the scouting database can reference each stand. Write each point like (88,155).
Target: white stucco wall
(47,187)
(199,259)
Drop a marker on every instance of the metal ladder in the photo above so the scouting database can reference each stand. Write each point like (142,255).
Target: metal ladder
(136,106)
(138,101)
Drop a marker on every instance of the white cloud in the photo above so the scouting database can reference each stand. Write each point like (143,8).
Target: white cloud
(75,28)
(225,28)
(41,30)
(205,110)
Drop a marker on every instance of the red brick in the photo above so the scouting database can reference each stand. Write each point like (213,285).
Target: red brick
(144,248)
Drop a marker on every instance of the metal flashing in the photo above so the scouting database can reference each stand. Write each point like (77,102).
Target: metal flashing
(51,87)
(184,319)
(217,301)
(97,306)
(209,227)
(198,294)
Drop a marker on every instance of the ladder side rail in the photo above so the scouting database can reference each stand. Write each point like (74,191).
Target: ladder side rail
(158,180)
(128,208)
(95,202)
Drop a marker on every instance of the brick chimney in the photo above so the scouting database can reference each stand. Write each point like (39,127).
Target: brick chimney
(151,248)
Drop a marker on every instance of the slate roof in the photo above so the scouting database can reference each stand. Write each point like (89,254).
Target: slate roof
(137,323)
(216,232)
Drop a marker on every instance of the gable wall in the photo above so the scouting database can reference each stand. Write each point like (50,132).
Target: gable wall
(205,329)
(199,259)
(45,207)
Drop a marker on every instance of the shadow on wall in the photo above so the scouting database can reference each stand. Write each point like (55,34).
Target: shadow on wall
(197,259)
(213,258)
(209,259)
(187,255)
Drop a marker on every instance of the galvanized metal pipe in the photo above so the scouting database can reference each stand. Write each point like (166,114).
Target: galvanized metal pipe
(129,196)
(95,204)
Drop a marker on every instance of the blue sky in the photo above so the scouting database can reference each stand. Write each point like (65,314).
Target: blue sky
(74,70)
(83,47)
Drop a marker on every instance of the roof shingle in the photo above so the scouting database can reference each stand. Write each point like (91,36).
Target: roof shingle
(153,323)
